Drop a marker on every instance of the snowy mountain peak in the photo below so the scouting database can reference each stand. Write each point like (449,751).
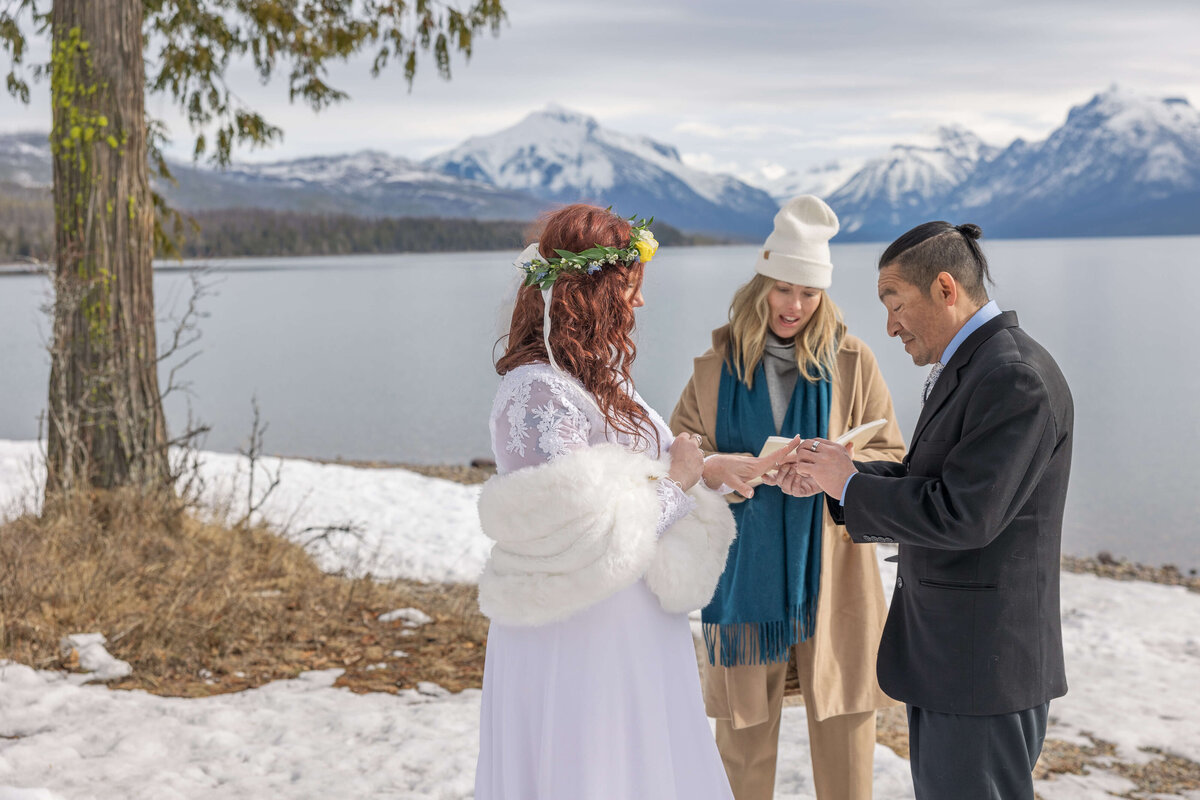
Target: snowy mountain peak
(567,116)
(1123,110)
(909,176)
(961,143)
(1147,146)
(555,120)
(561,155)
(954,133)
(561,124)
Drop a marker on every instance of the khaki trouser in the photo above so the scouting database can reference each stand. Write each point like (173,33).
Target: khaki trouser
(843,747)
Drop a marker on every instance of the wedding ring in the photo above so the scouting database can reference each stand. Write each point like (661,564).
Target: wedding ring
(815,444)
(699,439)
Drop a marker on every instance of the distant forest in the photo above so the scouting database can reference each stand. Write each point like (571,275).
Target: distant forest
(26,223)
(26,232)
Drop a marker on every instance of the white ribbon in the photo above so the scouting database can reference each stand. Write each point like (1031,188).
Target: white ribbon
(524,260)
(527,255)
(547,295)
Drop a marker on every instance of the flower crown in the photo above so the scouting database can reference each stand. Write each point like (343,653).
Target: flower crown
(543,272)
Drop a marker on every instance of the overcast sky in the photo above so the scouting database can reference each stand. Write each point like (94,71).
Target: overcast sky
(739,86)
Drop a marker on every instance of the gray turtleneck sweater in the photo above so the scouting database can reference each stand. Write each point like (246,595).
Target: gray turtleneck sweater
(779,363)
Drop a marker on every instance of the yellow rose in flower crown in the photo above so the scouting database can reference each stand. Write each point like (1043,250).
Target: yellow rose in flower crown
(646,246)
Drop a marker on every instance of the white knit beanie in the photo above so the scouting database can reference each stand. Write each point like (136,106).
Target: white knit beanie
(797,251)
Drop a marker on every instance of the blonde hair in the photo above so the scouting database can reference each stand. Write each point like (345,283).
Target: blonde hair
(816,344)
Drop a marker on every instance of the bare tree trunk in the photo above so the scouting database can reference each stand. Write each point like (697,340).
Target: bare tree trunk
(106,424)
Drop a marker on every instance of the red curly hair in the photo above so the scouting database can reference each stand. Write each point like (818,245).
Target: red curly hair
(591,321)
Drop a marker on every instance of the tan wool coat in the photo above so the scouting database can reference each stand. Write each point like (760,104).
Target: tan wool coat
(851,608)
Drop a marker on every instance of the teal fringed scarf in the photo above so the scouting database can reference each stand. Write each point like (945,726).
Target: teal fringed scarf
(766,600)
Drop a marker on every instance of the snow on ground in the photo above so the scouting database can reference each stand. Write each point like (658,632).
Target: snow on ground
(1133,672)
(290,739)
(394,510)
(413,617)
(93,657)
(1133,663)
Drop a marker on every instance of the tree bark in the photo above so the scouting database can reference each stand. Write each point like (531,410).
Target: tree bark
(105,421)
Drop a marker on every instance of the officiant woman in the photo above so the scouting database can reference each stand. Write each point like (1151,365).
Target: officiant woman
(794,587)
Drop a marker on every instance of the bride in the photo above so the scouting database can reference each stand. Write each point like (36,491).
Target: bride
(607,532)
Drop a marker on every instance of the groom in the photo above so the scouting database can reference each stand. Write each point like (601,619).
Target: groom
(973,641)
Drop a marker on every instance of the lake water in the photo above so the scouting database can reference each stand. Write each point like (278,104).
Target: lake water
(390,358)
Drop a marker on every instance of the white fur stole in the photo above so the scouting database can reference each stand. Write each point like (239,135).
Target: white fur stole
(578,529)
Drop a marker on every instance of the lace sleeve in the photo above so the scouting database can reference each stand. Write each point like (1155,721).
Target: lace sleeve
(537,422)
(539,418)
(673,504)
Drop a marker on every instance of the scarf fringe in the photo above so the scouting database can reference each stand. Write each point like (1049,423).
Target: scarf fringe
(743,643)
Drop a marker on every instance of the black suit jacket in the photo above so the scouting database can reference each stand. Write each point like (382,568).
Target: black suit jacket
(977,507)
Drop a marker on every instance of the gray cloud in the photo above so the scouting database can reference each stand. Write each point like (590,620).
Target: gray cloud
(793,83)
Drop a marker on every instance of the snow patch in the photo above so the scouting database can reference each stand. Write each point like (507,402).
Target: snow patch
(15,793)
(93,657)
(297,738)
(413,617)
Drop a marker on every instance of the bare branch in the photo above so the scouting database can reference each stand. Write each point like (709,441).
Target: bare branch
(324,533)
(253,452)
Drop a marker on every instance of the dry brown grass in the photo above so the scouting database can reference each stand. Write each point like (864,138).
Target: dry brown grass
(1066,757)
(199,608)
(1168,774)
(891,729)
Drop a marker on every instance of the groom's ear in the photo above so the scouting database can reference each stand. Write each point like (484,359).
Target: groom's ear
(944,290)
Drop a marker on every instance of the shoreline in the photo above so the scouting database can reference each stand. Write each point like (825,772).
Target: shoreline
(1103,564)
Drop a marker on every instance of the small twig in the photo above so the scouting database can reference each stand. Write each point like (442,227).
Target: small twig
(253,452)
(324,532)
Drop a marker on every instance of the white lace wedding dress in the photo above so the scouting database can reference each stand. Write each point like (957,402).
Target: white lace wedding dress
(606,704)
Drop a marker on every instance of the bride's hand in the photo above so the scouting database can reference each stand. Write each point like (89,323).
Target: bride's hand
(737,471)
(687,460)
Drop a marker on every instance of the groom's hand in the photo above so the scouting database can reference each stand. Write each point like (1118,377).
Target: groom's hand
(825,463)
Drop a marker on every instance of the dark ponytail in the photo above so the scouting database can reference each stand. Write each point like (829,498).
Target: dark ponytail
(931,248)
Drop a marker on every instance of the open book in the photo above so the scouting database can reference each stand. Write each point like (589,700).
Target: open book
(858,436)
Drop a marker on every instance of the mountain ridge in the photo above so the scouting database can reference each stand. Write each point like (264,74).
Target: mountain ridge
(1120,163)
